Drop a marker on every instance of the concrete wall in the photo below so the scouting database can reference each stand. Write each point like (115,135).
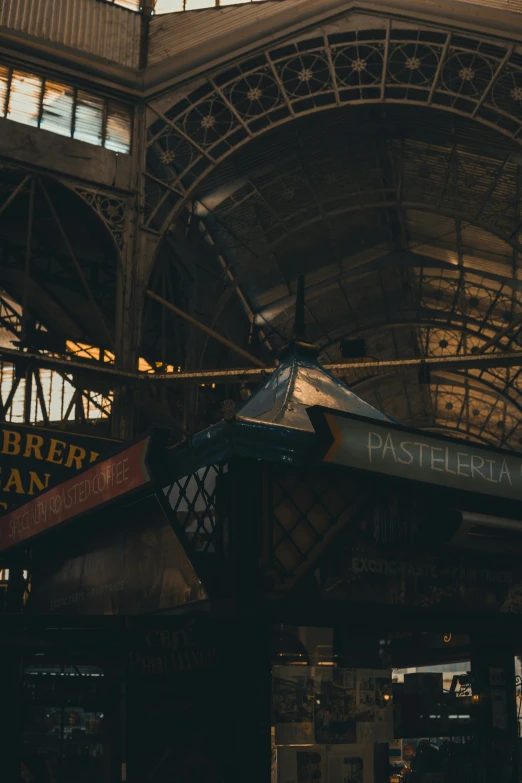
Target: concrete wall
(60,155)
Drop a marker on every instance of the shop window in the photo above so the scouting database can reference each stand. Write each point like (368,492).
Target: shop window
(447,671)
(326,722)
(65,735)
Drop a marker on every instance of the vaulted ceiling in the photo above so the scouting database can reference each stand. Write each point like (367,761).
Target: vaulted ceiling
(405,221)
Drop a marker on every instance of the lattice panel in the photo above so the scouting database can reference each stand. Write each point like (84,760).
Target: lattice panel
(193,500)
(307,507)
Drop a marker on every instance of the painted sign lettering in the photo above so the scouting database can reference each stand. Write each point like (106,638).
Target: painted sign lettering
(170,651)
(99,484)
(33,459)
(397,451)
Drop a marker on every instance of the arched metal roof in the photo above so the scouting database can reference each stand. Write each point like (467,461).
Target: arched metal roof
(409,243)
(384,164)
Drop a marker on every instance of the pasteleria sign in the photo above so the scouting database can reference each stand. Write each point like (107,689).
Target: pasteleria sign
(390,449)
(119,474)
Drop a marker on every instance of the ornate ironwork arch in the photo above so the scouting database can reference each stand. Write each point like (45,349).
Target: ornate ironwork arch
(469,76)
(450,431)
(108,207)
(463,214)
(428,321)
(458,379)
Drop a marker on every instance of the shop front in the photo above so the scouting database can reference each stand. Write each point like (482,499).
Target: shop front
(305,591)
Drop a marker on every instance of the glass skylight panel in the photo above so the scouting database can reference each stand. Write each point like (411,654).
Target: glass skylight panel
(57,110)
(130,5)
(173,6)
(169,6)
(24,98)
(4,83)
(194,5)
(118,131)
(88,121)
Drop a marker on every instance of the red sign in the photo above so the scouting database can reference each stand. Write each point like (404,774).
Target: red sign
(103,482)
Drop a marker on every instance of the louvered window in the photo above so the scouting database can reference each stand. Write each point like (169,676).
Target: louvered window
(61,109)
(25,97)
(58,107)
(118,130)
(88,121)
(4,85)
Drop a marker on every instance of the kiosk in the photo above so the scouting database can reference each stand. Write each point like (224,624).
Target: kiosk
(306,590)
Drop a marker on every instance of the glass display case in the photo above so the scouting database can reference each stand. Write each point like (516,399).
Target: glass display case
(66,722)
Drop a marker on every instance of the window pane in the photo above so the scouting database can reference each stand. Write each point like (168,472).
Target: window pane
(4,81)
(193,5)
(88,120)
(24,99)
(57,108)
(132,5)
(168,6)
(118,134)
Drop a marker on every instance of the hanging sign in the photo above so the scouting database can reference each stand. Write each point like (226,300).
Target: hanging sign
(393,450)
(105,481)
(33,459)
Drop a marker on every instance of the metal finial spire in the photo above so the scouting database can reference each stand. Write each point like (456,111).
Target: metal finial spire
(299,331)
(299,342)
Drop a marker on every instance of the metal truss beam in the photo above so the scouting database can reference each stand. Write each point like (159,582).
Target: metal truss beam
(258,374)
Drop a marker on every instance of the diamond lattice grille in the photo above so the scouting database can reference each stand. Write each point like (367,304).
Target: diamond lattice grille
(308,507)
(193,500)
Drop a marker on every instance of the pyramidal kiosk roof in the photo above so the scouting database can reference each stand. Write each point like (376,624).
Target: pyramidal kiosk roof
(301,414)
(301,418)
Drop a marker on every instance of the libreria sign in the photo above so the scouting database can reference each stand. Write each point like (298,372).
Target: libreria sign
(408,454)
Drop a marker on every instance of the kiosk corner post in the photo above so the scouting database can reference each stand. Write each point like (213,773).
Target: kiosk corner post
(245,534)
(251,663)
(493,676)
(250,659)
(10,685)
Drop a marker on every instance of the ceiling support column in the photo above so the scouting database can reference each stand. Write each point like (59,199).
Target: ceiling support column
(134,268)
